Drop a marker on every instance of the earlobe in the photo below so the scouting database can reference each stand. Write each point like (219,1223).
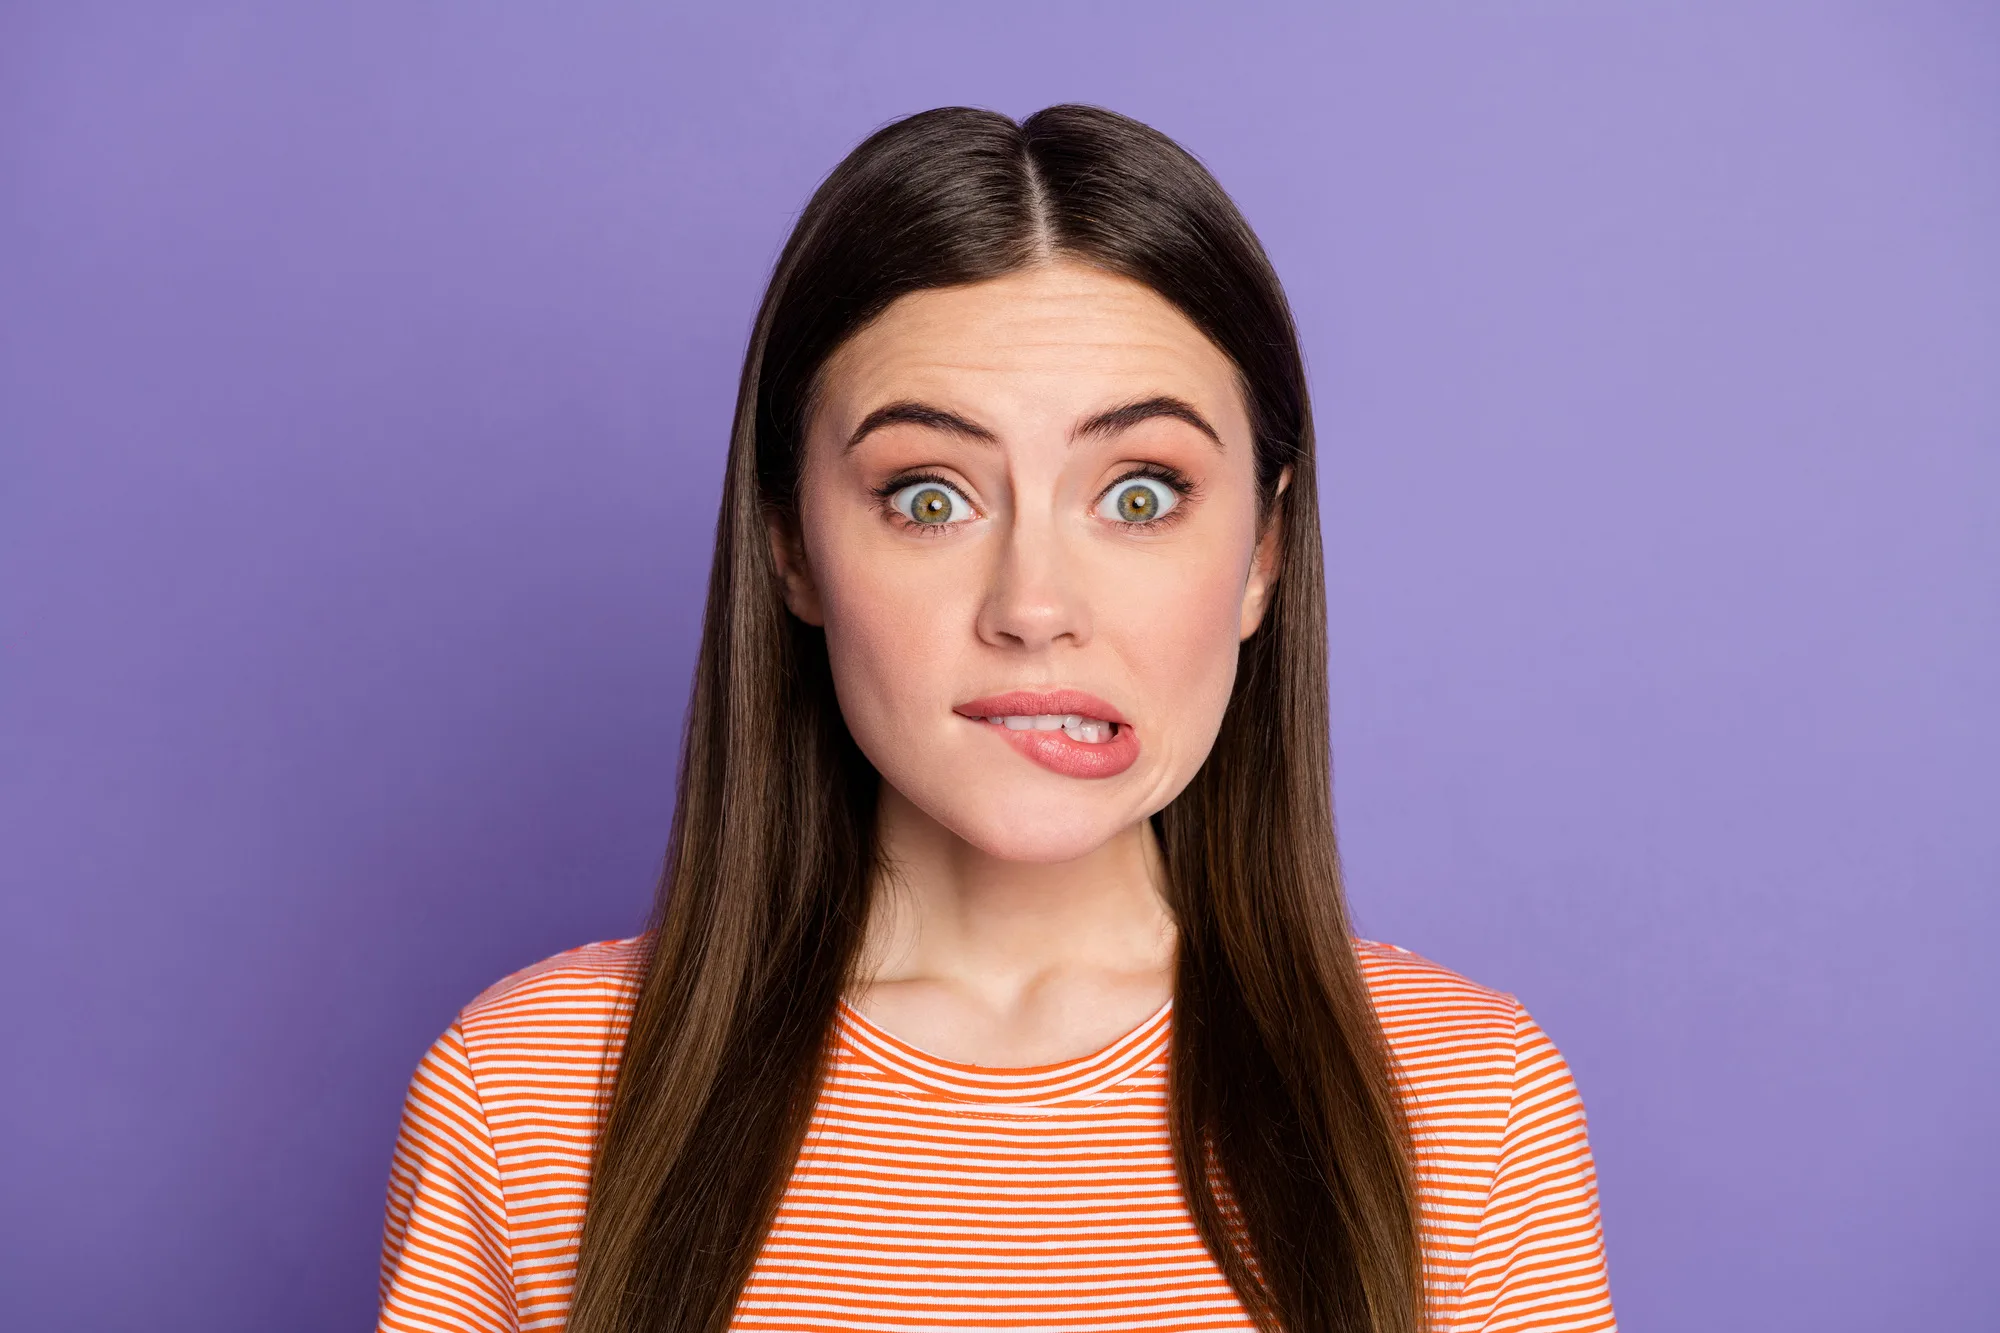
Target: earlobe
(1266,562)
(788,554)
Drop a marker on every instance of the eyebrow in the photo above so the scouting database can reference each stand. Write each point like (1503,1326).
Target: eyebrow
(1146,409)
(920,414)
(1111,422)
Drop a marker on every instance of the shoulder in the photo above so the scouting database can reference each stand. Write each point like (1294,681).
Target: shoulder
(1441,1027)
(498,1131)
(579,998)
(603,967)
(1508,1191)
(534,1056)
(1408,987)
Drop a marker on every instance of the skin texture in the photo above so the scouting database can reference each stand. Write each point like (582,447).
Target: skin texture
(1021,921)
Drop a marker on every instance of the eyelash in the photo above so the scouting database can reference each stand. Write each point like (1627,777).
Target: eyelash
(1173,478)
(887,490)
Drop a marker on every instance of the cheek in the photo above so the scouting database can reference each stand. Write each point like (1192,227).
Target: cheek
(880,638)
(1177,629)
(895,630)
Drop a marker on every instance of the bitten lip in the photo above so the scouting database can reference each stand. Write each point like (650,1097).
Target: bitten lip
(1036,703)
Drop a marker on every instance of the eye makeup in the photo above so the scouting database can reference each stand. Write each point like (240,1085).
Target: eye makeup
(1144,497)
(924,503)
(1142,507)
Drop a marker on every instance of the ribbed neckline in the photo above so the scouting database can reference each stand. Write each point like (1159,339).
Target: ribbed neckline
(1031,1085)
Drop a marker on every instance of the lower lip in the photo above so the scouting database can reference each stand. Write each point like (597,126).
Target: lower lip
(1055,751)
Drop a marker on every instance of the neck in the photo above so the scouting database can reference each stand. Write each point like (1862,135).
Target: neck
(1009,937)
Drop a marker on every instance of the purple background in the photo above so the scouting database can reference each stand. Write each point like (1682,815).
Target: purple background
(363,391)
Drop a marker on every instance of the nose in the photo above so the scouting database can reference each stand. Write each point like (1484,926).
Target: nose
(1034,597)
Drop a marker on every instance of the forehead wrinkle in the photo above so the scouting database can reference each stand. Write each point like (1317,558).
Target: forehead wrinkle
(934,352)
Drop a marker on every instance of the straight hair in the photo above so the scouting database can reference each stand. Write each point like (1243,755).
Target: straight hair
(1288,1133)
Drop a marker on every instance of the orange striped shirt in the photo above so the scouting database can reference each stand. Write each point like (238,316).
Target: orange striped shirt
(938,1195)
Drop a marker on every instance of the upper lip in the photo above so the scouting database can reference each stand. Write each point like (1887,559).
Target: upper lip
(1032,703)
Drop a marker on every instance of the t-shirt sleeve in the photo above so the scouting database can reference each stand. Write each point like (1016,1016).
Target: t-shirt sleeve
(1538,1259)
(445,1257)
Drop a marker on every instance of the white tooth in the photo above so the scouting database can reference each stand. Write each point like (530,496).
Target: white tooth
(1088,731)
(1071,720)
(1048,722)
(1019,723)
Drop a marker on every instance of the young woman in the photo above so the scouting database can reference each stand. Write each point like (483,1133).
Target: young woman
(1000,975)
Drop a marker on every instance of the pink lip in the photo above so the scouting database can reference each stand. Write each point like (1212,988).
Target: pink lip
(1054,750)
(1028,703)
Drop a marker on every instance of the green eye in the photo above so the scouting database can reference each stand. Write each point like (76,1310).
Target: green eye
(1138,500)
(930,504)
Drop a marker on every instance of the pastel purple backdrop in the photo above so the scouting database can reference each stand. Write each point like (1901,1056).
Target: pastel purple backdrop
(364,377)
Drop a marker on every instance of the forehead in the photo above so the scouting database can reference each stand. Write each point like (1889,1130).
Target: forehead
(1053,340)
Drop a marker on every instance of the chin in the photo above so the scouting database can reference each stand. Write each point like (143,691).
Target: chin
(1045,828)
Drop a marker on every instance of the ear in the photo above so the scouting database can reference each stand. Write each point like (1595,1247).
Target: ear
(1266,562)
(788,553)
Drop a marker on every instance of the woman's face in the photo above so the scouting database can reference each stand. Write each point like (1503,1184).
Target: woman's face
(1031,499)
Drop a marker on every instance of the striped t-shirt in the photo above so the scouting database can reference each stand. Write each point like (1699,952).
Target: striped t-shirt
(937,1195)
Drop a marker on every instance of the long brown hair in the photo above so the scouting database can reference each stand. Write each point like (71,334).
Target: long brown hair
(1288,1135)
